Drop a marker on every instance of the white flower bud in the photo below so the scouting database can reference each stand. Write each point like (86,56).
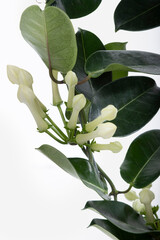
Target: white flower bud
(115,147)
(19,76)
(107,114)
(131,195)
(138,206)
(104,130)
(146,196)
(71,81)
(55,91)
(79,101)
(27,96)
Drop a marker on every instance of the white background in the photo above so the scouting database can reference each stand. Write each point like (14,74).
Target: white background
(38,201)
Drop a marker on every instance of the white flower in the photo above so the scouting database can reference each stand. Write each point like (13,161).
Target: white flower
(55,91)
(27,96)
(131,195)
(79,101)
(115,147)
(104,130)
(107,114)
(138,206)
(71,81)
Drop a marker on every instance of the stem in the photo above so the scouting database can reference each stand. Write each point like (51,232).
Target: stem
(53,78)
(125,191)
(63,118)
(84,80)
(55,138)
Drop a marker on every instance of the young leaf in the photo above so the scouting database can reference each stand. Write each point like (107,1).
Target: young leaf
(120,215)
(141,165)
(111,230)
(76,9)
(117,46)
(135,61)
(137,99)
(88,43)
(135,15)
(77,167)
(51,34)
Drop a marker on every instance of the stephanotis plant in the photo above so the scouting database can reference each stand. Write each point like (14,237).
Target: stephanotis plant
(103,101)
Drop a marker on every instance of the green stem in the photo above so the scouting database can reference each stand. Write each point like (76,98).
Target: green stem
(62,117)
(125,191)
(55,138)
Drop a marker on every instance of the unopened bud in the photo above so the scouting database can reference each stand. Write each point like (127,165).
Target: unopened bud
(115,147)
(146,196)
(55,91)
(131,195)
(71,81)
(138,206)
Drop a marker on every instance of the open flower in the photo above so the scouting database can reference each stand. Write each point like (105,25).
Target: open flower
(27,96)
(71,81)
(79,101)
(107,114)
(104,130)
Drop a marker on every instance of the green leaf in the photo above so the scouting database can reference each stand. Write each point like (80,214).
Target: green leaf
(88,43)
(120,215)
(77,167)
(117,46)
(51,34)
(137,99)
(135,15)
(111,230)
(76,9)
(135,61)
(141,165)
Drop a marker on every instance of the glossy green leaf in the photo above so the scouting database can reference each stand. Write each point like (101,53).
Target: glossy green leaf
(141,165)
(137,99)
(88,43)
(120,215)
(117,46)
(74,8)
(51,34)
(77,167)
(135,61)
(111,230)
(136,15)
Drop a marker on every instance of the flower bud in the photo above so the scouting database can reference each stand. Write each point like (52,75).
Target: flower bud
(19,76)
(138,206)
(104,130)
(79,101)
(115,147)
(55,91)
(71,81)
(27,96)
(146,196)
(131,195)
(107,114)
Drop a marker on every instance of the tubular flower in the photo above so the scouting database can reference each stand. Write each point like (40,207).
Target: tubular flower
(107,114)
(79,101)
(115,147)
(27,96)
(19,76)
(71,81)
(146,197)
(104,130)
(138,206)
(55,91)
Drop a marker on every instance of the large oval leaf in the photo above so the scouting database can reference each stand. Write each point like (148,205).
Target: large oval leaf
(77,167)
(88,43)
(136,98)
(74,8)
(120,215)
(51,34)
(135,61)
(112,230)
(135,15)
(141,165)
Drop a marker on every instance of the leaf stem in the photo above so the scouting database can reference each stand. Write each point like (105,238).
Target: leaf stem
(125,191)
(55,138)
(63,118)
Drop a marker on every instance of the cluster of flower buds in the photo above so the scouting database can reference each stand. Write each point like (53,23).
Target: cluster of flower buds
(26,95)
(142,204)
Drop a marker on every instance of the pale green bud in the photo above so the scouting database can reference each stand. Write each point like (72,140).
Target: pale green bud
(107,114)
(55,91)
(71,81)
(19,76)
(138,206)
(146,196)
(131,195)
(115,147)
(104,130)
(79,101)
(27,96)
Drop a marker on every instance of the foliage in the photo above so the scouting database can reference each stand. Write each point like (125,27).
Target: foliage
(104,99)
